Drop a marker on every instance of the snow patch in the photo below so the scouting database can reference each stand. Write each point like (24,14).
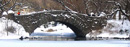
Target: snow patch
(91,13)
(102,14)
(67,16)
(4,13)
(10,12)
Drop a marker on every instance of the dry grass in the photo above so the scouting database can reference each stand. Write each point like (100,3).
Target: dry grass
(50,30)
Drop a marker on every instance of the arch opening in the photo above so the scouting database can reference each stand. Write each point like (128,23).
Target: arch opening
(54,29)
(72,29)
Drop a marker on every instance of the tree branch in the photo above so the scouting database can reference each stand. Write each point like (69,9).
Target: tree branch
(2,5)
(121,10)
(62,3)
(13,5)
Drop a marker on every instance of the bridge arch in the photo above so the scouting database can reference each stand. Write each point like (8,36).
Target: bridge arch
(79,23)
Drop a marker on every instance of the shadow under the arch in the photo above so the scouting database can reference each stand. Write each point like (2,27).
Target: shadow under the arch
(79,34)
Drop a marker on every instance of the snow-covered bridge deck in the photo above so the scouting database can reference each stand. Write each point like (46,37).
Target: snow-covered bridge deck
(79,23)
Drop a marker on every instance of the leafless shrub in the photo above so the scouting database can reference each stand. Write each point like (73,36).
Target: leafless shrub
(50,30)
(11,29)
(94,33)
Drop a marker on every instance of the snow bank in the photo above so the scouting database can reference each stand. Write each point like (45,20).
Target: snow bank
(19,30)
(114,28)
(113,35)
(124,25)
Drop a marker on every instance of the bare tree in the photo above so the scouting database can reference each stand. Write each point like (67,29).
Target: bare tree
(6,5)
(120,8)
(3,3)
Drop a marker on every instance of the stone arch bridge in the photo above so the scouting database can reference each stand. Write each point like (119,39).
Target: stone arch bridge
(81,24)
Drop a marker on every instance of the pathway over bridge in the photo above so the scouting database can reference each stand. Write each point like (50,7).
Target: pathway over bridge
(79,23)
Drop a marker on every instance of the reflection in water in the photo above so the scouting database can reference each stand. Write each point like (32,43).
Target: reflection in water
(52,38)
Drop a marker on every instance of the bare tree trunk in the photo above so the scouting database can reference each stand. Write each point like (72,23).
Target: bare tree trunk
(126,6)
(114,15)
(86,7)
(7,27)
(119,15)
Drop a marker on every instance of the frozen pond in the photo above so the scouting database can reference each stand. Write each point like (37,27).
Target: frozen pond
(52,36)
(99,43)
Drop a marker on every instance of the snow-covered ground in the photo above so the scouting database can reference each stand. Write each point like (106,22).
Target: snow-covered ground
(103,43)
(114,28)
(18,29)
